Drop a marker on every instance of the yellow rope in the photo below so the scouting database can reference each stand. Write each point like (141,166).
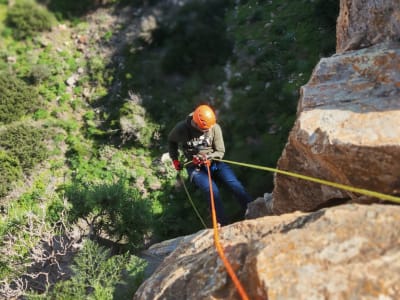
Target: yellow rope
(321,181)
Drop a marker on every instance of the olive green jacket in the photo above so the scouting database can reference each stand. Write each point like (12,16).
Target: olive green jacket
(192,141)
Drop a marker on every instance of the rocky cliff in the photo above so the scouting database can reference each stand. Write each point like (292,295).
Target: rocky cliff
(347,131)
(345,252)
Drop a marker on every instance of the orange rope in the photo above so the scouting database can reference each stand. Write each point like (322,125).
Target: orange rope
(218,245)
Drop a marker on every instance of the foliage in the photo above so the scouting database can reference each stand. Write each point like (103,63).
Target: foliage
(41,114)
(76,9)
(248,61)
(180,45)
(79,148)
(3,13)
(96,275)
(135,125)
(113,208)
(54,211)
(196,39)
(27,19)
(177,216)
(10,171)
(20,230)
(17,99)
(277,45)
(40,73)
(26,143)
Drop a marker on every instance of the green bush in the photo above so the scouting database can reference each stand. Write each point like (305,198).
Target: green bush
(40,73)
(41,114)
(72,9)
(54,211)
(27,19)
(113,208)
(10,171)
(16,98)
(135,125)
(98,275)
(26,143)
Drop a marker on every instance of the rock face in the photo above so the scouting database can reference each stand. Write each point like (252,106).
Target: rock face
(347,130)
(335,253)
(364,23)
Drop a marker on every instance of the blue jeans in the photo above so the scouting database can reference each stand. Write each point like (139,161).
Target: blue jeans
(223,173)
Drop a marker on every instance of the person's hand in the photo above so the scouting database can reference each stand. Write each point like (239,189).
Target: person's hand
(196,160)
(177,164)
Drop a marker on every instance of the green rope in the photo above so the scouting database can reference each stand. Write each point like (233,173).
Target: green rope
(191,202)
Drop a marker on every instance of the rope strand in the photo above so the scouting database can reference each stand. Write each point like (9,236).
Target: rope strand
(192,203)
(321,181)
(218,245)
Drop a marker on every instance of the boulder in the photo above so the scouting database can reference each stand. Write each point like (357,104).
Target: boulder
(365,23)
(344,252)
(347,131)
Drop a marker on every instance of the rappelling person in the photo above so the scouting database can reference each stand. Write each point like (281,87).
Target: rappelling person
(200,138)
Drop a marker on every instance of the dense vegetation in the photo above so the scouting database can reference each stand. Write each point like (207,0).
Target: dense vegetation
(17,98)
(82,132)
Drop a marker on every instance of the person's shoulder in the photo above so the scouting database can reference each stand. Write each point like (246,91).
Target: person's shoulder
(180,126)
(217,126)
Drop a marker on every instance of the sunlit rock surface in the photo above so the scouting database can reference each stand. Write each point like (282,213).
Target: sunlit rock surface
(347,131)
(344,252)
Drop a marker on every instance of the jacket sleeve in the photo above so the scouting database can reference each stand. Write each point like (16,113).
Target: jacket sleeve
(218,143)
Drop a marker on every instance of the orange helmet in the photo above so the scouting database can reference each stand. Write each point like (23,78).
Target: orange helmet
(204,117)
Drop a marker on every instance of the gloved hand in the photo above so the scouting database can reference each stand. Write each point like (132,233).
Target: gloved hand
(177,164)
(196,160)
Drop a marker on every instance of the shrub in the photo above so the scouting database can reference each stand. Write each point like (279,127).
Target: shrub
(97,274)
(10,171)
(112,208)
(72,9)
(26,143)
(16,98)
(41,114)
(39,73)
(28,19)
(134,124)
(54,210)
